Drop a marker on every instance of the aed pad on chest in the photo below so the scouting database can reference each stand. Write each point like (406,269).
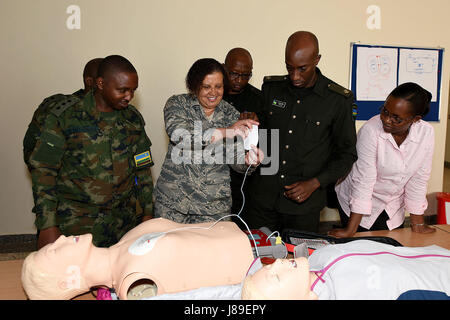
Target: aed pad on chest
(144,244)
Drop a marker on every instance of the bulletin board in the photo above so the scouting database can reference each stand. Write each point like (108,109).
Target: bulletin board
(376,70)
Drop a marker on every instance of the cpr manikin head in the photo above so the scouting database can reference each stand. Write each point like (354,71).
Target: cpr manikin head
(285,279)
(57,271)
(174,257)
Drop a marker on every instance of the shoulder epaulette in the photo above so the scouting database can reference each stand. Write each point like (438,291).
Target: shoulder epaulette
(340,90)
(79,94)
(136,111)
(63,104)
(274,78)
(253,89)
(53,98)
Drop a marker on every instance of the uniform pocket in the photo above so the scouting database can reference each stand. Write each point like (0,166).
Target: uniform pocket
(51,149)
(276,116)
(316,129)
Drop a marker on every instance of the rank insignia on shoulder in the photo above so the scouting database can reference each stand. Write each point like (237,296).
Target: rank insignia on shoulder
(340,90)
(274,78)
(63,104)
(142,159)
(278,103)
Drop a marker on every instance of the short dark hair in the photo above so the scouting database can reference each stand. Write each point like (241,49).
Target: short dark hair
(199,70)
(114,63)
(418,97)
(91,68)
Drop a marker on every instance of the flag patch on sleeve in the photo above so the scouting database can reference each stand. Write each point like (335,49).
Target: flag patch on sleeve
(142,159)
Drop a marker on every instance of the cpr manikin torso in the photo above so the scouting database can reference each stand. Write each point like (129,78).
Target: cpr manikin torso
(184,258)
(175,257)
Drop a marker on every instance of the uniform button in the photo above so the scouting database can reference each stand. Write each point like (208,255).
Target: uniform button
(270,112)
(284,162)
(318,123)
(294,116)
(287,146)
(290,131)
(282,176)
(298,101)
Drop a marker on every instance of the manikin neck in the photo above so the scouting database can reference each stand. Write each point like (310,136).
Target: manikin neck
(98,271)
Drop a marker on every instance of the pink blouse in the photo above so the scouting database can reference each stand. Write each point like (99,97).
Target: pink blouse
(386,176)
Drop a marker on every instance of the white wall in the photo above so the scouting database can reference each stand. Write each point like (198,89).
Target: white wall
(41,56)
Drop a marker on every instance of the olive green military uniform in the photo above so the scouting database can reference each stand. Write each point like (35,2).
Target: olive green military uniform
(317,139)
(34,128)
(249,100)
(89,168)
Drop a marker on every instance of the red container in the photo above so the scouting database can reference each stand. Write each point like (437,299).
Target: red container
(443,215)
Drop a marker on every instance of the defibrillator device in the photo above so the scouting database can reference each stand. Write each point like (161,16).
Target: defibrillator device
(304,243)
(267,246)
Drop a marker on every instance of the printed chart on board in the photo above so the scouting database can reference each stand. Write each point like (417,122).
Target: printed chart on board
(376,70)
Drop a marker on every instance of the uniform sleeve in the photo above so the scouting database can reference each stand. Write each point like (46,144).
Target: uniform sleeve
(45,162)
(144,180)
(34,128)
(238,163)
(180,127)
(343,144)
(29,141)
(416,188)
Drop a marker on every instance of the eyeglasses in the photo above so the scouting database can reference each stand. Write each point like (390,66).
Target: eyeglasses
(394,118)
(244,76)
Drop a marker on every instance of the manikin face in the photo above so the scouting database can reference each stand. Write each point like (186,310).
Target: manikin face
(57,271)
(285,279)
(65,252)
(211,92)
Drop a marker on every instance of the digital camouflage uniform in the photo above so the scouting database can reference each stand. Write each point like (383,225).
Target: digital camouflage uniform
(197,191)
(89,168)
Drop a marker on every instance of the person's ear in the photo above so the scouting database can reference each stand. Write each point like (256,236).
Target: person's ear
(417,118)
(318,59)
(100,83)
(89,82)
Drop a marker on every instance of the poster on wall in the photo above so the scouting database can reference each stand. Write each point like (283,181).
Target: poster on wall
(376,70)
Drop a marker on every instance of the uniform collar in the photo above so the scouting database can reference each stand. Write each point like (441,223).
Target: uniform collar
(244,91)
(318,88)
(321,84)
(90,105)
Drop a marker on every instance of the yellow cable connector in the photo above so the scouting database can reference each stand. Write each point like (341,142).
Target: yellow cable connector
(278,240)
